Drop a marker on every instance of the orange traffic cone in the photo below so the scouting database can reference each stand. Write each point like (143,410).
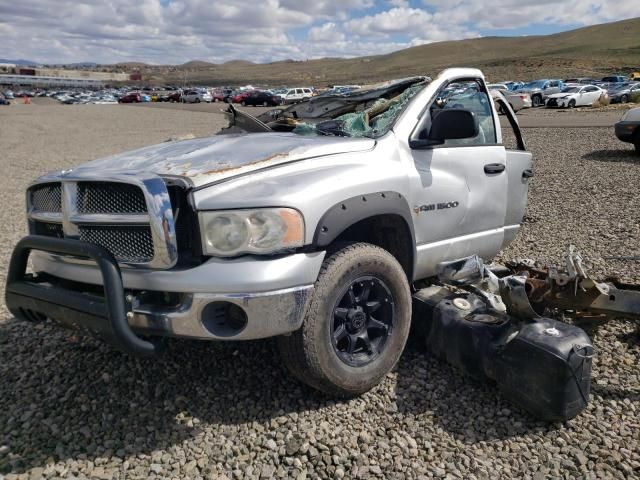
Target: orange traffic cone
(26,100)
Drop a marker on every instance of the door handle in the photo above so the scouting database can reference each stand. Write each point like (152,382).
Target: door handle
(494,168)
(528,173)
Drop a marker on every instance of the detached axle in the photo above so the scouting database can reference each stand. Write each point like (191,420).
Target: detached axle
(572,289)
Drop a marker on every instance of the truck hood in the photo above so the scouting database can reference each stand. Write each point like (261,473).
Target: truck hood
(211,159)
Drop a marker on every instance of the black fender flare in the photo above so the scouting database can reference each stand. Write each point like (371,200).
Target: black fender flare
(352,210)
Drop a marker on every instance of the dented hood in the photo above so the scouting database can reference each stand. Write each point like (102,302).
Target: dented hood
(211,159)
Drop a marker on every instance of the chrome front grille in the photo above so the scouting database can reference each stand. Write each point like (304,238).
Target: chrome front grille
(110,197)
(47,197)
(133,219)
(132,244)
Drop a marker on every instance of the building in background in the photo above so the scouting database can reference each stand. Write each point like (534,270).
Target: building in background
(59,77)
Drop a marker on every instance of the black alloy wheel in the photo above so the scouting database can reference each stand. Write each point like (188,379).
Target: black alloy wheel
(363,320)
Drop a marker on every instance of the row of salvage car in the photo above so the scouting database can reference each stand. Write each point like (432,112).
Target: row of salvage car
(569,93)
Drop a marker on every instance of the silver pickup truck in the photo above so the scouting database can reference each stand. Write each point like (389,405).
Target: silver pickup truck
(311,223)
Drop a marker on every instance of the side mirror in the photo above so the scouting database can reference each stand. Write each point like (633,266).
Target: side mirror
(448,124)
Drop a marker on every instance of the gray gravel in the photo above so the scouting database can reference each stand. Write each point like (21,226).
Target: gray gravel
(80,410)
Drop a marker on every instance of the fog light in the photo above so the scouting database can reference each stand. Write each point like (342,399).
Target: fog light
(223,319)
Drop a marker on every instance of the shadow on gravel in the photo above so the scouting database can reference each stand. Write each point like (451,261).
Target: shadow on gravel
(614,156)
(69,400)
(470,410)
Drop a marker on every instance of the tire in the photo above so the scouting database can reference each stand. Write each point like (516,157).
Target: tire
(216,100)
(624,99)
(197,100)
(321,353)
(536,101)
(572,104)
(265,104)
(243,103)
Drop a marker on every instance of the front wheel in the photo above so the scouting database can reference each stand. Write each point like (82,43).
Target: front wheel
(357,324)
(572,103)
(624,99)
(536,100)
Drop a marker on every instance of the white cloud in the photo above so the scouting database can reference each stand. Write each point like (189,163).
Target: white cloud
(175,31)
(326,32)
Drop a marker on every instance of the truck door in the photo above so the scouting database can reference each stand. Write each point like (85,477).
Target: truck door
(460,191)
(519,170)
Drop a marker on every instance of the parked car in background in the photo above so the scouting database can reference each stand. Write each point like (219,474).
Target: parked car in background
(238,97)
(8,94)
(518,101)
(582,80)
(634,76)
(217,95)
(575,96)
(539,90)
(623,92)
(513,86)
(132,97)
(628,128)
(174,96)
(227,93)
(614,79)
(196,96)
(258,98)
(3,100)
(294,95)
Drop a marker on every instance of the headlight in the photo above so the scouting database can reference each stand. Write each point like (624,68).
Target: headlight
(265,230)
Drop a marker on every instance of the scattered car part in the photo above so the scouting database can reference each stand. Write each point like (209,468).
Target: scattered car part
(574,291)
(490,323)
(544,366)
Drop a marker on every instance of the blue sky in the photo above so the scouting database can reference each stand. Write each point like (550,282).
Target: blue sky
(176,31)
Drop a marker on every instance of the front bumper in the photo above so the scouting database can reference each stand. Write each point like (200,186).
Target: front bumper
(118,305)
(626,131)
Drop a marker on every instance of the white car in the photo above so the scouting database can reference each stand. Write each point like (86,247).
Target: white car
(196,96)
(576,96)
(294,95)
(518,101)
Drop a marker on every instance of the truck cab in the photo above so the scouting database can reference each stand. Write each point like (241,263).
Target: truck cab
(310,223)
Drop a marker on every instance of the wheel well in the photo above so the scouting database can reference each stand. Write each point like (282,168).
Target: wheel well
(388,231)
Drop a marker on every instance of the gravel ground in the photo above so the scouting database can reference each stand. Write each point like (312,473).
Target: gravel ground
(80,410)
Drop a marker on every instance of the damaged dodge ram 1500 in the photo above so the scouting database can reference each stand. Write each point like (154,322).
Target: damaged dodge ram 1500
(310,223)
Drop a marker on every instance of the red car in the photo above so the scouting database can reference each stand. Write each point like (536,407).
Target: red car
(217,96)
(239,98)
(133,97)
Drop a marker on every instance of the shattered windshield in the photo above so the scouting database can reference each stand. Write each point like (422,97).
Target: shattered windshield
(360,112)
(371,122)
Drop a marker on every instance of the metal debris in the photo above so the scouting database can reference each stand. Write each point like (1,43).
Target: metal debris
(529,290)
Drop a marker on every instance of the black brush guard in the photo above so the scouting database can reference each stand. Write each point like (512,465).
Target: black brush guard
(30,298)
